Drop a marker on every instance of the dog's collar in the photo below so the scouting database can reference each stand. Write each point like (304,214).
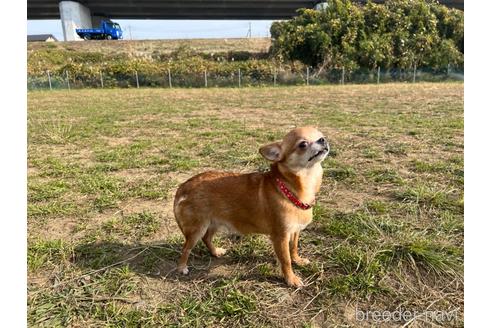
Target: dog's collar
(287,193)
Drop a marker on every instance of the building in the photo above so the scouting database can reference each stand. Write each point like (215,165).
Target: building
(41,38)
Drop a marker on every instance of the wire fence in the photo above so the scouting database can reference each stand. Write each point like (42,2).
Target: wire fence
(169,79)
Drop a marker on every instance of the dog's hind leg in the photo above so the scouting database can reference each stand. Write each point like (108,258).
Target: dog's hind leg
(207,239)
(192,238)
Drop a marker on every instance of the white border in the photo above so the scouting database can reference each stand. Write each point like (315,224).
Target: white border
(13,131)
(478,197)
(478,89)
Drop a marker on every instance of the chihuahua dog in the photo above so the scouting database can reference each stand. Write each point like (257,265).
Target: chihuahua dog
(277,203)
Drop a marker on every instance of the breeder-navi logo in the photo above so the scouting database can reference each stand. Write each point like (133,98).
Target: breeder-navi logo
(402,315)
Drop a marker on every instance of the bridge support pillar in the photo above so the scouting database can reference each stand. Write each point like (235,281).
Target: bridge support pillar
(74,15)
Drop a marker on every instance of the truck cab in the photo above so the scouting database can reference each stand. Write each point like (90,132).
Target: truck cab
(107,31)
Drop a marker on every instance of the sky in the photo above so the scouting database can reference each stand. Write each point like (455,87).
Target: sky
(168,29)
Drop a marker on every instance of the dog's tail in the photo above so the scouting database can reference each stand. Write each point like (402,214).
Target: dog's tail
(178,199)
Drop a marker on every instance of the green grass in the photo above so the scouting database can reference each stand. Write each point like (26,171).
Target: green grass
(103,166)
(426,254)
(396,149)
(53,208)
(152,188)
(430,197)
(104,190)
(223,301)
(47,252)
(384,176)
(40,191)
(136,225)
(377,206)
(251,247)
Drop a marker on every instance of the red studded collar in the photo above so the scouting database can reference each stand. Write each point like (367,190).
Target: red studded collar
(287,193)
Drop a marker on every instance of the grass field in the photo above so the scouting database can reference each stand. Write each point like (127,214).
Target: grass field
(148,47)
(103,243)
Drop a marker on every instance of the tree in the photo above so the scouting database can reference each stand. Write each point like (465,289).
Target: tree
(414,31)
(397,33)
(300,38)
(375,47)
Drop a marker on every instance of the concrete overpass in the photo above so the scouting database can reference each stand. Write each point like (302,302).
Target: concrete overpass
(88,13)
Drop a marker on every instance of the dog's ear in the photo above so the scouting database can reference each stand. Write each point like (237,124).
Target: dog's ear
(272,152)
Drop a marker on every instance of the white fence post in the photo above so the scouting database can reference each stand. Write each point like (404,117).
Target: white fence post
(68,80)
(49,79)
(307,75)
(169,78)
(206,81)
(101,76)
(379,72)
(275,77)
(239,77)
(343,75)
(136,78)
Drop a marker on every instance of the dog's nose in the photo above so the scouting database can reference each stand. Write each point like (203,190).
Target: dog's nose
(322,141)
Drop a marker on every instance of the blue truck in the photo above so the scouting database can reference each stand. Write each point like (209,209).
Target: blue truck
(107,31)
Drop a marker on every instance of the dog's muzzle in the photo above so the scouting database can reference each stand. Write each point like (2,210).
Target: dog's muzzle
(323,151)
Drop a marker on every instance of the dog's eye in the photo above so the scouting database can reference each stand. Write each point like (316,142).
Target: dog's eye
(303,144)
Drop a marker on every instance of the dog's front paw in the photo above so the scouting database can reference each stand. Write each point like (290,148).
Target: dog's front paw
(219,252)
(301,261)
(294,281)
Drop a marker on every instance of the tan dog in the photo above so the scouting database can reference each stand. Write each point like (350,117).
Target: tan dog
(276,203)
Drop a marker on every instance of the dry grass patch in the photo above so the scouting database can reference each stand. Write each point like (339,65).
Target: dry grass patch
(142,48)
